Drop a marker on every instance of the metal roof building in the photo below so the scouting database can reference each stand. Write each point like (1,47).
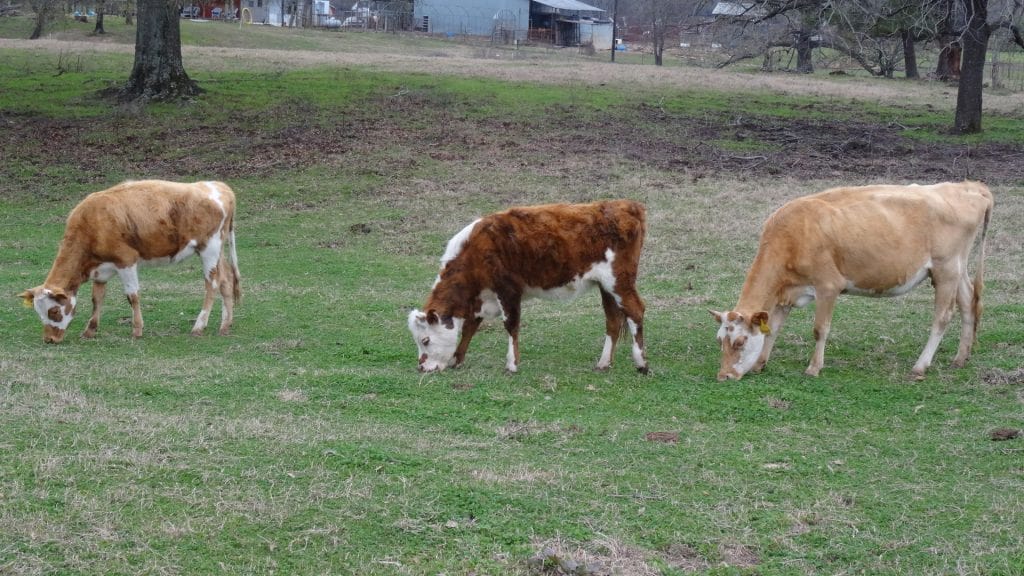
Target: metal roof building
(559,22)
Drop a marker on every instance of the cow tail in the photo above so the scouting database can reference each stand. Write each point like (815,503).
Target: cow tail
(237,280)
(979,282)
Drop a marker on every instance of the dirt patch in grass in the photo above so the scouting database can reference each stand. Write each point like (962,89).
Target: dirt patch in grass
(712,145)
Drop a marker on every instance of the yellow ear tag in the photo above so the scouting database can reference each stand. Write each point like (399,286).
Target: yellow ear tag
(765,329)
(26,303)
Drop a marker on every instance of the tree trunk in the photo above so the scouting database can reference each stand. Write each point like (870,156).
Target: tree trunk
(909,54)
(158,73)
(804,53)
(972,70)
(44,13)
(129,11)
(100,7)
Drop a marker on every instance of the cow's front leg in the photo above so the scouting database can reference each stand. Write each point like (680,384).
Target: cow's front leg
(468,330)
(613,317)
(775,321)
(130,279)
(510,304)
(826,302)
(99,291)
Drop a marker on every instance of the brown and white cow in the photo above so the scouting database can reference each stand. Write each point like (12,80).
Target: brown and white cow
(152,221)
(552,251)
(869,240)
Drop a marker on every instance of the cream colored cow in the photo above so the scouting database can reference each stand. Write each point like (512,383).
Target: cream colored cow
(152,221)
(868,240)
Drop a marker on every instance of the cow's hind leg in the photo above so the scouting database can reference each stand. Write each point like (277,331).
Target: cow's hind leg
(227,280)
(211,257)
(969,320)
(633,308)
(99,291)
(613,326)
(946,288)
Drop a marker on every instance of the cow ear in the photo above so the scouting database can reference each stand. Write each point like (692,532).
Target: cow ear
(760,321)
(448,323)
(431,317)
(719,316)
(27,298)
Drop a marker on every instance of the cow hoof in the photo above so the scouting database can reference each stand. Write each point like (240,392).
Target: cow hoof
(196,333)
(224,331)
(812,371)
(643,370)
(89,334)
(916,376)
(600,368)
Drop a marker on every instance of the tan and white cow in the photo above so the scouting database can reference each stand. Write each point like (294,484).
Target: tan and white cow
(551,251)
(868,240)
(152,221)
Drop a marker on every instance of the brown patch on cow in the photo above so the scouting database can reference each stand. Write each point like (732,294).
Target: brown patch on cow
(663,437)
(55,314)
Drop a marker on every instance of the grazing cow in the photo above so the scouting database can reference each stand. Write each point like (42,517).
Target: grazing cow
(868,240)
(152,221)
(554,251)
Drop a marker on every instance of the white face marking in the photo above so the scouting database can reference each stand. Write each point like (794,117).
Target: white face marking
(746,356)
(435,342)
(44,301)
(900,290)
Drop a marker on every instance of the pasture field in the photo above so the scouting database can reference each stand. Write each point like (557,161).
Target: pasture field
(306,442)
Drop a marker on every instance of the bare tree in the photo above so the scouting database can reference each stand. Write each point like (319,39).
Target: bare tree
(101,6)
(46,11)
(158,73)
(974,38)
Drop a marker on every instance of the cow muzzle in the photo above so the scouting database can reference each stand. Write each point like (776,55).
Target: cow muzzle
(53,335)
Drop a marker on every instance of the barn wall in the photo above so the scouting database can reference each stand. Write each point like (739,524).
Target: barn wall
(471,17)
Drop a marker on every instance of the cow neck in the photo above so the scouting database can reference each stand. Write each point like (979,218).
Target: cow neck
(761,289)
(455,295)
(70,269)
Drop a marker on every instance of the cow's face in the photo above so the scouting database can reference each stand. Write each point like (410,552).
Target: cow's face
(436,338)
(741,340)
(55,307)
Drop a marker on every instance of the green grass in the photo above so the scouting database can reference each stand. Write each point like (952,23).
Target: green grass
(307,443)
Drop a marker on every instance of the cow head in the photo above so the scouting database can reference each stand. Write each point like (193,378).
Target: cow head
(55,307)
(436,338)
(741,340)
